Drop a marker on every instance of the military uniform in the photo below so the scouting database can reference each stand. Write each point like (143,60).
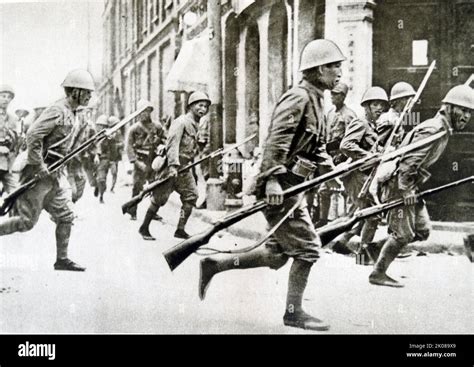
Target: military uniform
(115,157)
(109,151)
(385,125)
(359,140)
(9,139)
(53,130)
(87,158)
(181,149)
(142,142)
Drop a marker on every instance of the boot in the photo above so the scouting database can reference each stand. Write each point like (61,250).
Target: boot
(96,191)
(63,232)
(212,265)
(183,219)
(389,252)
(144,228)
(133,211)
(295,316)
(102,187)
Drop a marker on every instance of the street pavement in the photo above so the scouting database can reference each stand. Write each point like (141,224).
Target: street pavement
(128,287)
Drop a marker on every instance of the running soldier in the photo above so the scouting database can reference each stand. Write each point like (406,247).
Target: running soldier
(293,151)
(143,139)
(413,222)
(181,149)
(116,152)
(51,136)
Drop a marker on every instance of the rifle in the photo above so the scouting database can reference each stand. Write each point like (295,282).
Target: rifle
(408,107)
(178,253)
(8,201)
(330,231)
(153,185)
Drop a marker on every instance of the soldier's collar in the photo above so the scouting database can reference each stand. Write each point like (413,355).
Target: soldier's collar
(304,83)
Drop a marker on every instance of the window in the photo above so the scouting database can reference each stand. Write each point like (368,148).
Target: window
(420,52)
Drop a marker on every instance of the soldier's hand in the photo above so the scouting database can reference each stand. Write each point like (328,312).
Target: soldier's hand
(410,198)
(173,171)
(273,192)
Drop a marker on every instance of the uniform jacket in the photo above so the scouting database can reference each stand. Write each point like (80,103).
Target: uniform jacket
(385,125)
(359,139)
(143,137)
(53,130)
(298,127)
(204,133)
(182,142)
(9,133)
(111,149)
(412,168)
(338,122)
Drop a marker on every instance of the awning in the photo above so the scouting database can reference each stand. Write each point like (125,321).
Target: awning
(190,70)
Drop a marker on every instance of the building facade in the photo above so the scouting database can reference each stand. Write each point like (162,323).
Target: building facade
(384,41)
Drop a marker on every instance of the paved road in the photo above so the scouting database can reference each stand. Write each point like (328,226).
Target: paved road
(128,287)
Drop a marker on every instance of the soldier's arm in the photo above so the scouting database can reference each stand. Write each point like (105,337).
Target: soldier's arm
(38,131)
(285,120)
(172,143)
(129,146)
(350,144)
(410,165)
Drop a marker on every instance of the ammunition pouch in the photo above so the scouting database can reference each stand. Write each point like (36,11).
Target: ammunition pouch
(302,167)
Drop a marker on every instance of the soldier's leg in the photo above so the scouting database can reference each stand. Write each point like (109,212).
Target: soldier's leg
(324,196)
(139,180)
(80,183)
(187,189)
(58,205)
(102,171)
(159,198)
(27,209)
(114,172)
(401,223)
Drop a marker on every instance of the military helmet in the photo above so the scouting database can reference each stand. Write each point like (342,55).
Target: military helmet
(4,88)
(198,96)
(102,120)
(460,95)
(374,94)
(79,79)
(340,88)
(144,104)
(320,52)
(401,89)
(113,120)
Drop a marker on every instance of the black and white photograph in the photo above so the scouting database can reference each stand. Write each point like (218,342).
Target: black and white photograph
(237,167)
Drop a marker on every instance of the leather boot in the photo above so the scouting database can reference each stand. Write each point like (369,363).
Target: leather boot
(102,187)
(389,252)
(212,265)
(144,228)
(295,316)
(184,215)
(63,232)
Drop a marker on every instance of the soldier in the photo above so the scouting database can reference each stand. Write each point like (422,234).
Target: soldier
(204,144)
(142,141)
(359,140)
(116,152)
(181,148)
(294,149)
(339,117)
(9,139)
(54,130)
(89,158)
(413,222)
(399,95)
(22,114)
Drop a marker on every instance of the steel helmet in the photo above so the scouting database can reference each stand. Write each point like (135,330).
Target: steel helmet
(79,79)
(198,96)
(113,120)
(4,88)
(401,89)
(102,120)
(460,95)
(320,52)
(374,94)
(144,104)
(22,111)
